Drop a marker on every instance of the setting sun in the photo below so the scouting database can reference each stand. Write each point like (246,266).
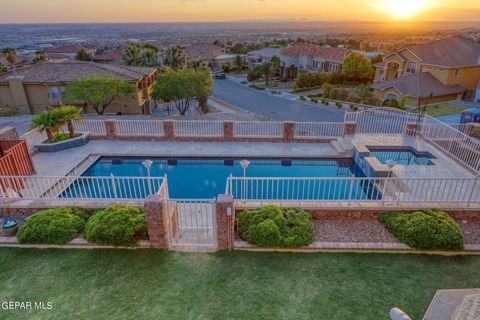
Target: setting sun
(404,8)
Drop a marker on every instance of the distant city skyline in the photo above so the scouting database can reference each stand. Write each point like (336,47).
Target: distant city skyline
(85,11)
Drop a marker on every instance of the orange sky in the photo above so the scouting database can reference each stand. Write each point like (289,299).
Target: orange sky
(17,11)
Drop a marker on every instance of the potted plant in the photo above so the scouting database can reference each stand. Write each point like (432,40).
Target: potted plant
(9,227)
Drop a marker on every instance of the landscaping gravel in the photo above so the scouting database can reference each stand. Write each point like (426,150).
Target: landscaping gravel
(352,231)
(471,231)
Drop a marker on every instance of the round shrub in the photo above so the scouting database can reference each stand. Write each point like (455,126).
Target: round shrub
(116,225)
(272,226)
(53,226)
(426,230)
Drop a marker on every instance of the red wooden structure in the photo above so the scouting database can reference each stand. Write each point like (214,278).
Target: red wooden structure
(15,160)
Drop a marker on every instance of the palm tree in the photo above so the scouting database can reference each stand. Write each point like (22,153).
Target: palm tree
(197,64)
(276,62)
(266,69)
(47,121)
(67,114)
(40,57)
(3,67)
(175,58)
(239,62)
(148,58)
(132,54)
(11,56)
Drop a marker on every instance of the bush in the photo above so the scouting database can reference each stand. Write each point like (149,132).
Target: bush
(256,87)
(117,225)
(53,226)
(338,104)
(427,230)
(253,75)
(61,136)
(244,82)
(303,98)
(276,227)
(7,111)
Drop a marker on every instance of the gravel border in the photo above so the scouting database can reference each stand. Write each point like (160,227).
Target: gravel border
(368,231)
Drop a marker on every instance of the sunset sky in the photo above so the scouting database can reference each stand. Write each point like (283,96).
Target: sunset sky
(19,11)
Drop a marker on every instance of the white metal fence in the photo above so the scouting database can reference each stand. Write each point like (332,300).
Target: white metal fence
(356,189)
(78,188)
(199,128)
(141,128)
(33,137)
(268,129)
(90,126)
(319,129)
(383,120)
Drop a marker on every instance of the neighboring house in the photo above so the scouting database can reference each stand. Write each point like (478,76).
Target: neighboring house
(70,50)
(447,69)
(310,57)
(114,56)
(257,57)
(57,57)
(205,51)
(42,85)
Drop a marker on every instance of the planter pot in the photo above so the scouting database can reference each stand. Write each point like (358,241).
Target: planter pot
(62,145)
(9,227)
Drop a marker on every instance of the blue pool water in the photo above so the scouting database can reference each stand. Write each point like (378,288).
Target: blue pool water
(207,178)
(401,157)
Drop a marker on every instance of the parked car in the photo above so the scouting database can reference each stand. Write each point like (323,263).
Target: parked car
(220,75)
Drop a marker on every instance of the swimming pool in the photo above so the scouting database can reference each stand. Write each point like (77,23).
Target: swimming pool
(401,156)
(203,178)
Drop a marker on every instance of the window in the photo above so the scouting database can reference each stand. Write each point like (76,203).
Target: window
(411,67)
(63,92)
(458,73)
(333,67)
(392,97)
(53,92)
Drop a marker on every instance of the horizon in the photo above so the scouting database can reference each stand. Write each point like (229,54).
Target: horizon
(195,11)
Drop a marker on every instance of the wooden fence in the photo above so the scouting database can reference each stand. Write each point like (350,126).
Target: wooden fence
(16,161)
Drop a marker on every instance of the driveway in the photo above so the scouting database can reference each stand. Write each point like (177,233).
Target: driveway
(273,107)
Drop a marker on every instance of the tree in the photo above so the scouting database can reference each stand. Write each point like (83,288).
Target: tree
(182,87)
(266,69)
(276,62)
(11,56)
(226,67)
(377,58)
(99,92)
(132,54)
(40,57)
(141,55)
(47,121)
(67,114)
(363,92)
(197,64)
(239,62)
(149,58)
(3,68)
(82,55)
(175,58)
(357,66)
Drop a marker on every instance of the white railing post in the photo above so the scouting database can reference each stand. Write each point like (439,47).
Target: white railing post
(114,187)
(472,191)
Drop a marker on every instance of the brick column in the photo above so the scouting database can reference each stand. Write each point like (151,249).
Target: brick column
(225,210)
(169,129)
(412,128)
(473,130)
(9,133)
(228,130)
(350,128)
(288,131)
(155,209)
(112,128)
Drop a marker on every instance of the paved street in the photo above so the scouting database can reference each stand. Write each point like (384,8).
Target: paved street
(272,107)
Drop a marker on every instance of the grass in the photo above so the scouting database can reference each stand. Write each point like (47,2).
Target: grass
(257,87)
(151,284)
(444,110)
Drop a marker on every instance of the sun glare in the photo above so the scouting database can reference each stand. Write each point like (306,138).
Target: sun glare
(404,9)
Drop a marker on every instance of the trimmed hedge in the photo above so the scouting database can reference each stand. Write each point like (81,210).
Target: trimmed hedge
(426,230)
(116,225)
(53,226)
(272,226)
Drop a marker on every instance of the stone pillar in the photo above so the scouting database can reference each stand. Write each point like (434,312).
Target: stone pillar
(228,130)
(112,128)
(225,210)
(169,129)
(288,131)
(8,133)
(412,128)
(156,213)
(19,95)
(473,130)
(350,128)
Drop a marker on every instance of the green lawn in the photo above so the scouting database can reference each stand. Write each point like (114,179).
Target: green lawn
(444,110)
(150,284)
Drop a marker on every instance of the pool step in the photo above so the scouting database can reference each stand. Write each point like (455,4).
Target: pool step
(342,146)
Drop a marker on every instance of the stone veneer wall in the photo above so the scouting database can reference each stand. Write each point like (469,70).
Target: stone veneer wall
(8,133)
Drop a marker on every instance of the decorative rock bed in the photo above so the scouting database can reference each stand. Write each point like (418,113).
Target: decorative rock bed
(62,145)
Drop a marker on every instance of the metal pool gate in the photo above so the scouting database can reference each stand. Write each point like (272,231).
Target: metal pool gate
(192,224)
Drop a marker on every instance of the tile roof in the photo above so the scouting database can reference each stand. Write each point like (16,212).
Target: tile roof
(109,55)
(419,85)
(57,56)
(205,51)
(64,72)
(68,48)
(312,50)
(454,51)
(265,52)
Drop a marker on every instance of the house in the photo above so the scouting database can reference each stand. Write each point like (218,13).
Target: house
(41,85)
(114,56)
(205,51)
(69,50)
(439,71)
(257,57)
(311,57)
